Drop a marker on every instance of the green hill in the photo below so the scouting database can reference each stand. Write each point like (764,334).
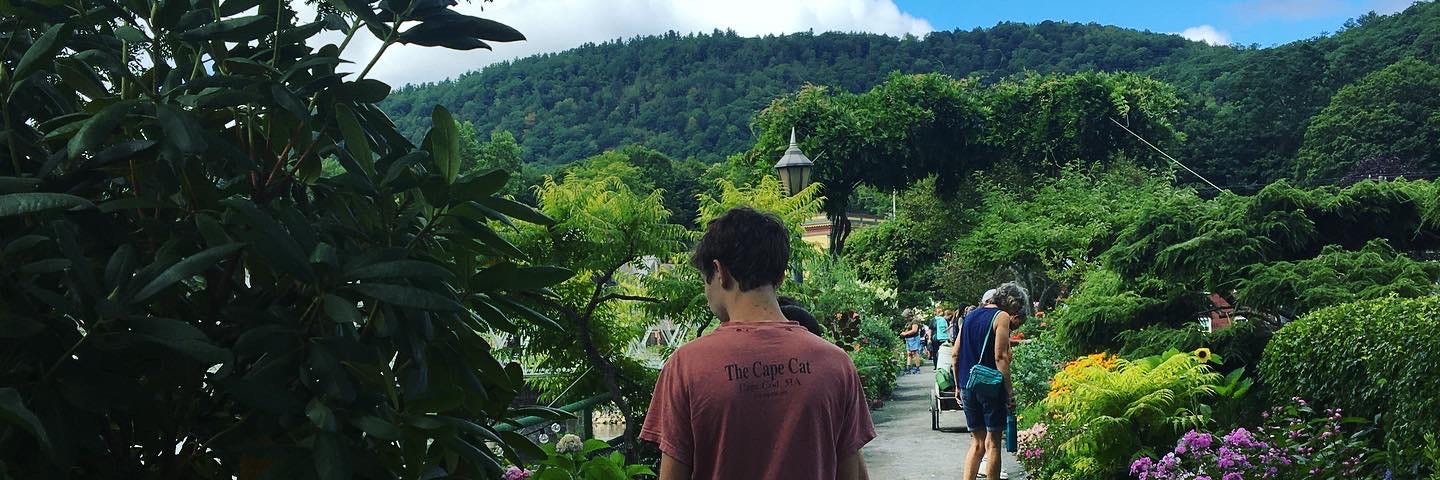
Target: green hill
(695,95)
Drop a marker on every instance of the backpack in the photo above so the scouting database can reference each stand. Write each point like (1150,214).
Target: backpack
(944,379)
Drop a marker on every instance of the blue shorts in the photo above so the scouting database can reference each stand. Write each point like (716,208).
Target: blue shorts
(981,410)
(914,344)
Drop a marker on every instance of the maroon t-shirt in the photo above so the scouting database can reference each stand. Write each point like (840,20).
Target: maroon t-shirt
(759,401)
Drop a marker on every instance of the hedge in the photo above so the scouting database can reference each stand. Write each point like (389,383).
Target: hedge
(1373,357)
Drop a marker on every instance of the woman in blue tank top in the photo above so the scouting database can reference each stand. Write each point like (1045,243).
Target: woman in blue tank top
(985,340)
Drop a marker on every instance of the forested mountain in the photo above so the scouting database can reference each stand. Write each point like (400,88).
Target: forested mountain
(695,95)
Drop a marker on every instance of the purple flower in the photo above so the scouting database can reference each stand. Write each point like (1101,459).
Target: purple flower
(1233,476)
(1227,459)
(1196,441)
(1241,438)
(1141,468)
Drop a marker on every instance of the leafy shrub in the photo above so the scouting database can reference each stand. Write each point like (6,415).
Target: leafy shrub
(570,459)
(1294,443)
(1336,276)
(1036,363)
(1100,309)
(1370,358)
(878,369)
(183,294)
(1105,416)
(1241,344)
(877,333)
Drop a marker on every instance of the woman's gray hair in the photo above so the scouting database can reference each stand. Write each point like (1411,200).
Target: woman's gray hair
(1012,298)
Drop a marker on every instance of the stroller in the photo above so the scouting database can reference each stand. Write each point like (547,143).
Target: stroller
(944,399)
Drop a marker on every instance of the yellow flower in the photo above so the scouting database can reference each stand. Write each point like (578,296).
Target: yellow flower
(1203,355)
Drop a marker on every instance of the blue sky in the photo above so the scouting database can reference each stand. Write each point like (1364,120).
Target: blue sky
(1243,22)
(557,25)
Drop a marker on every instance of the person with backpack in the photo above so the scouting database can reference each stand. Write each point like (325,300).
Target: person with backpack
(914,341)
(941,327)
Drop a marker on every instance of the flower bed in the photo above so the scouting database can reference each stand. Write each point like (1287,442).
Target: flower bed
(1295,443)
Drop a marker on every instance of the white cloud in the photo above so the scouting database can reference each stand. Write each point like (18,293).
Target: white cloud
(556,25)
(1207,34)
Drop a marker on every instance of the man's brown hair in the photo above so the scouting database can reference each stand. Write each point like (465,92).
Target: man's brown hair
(753,246)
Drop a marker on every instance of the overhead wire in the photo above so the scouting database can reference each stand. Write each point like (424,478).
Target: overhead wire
(1312,182)
(1162,152)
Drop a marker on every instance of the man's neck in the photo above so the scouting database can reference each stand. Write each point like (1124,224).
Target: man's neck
(756,306)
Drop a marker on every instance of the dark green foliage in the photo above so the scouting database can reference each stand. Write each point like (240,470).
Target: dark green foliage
(1043,123)
(1336,276)
(878,333)
(182,295)
(1252,108)
(695,95)
(903,251)
(1180,247)
(1240,345)
(878,358)
(1034,366)
(1203,245)
(1102,308)
(1391,113)
(905,129)
(1374,357)
(1045,234)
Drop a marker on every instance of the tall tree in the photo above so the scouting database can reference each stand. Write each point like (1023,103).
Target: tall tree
(1042,123)
(1394,112)
(603,230)
(910,127)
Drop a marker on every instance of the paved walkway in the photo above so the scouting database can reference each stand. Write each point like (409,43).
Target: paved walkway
(907,449)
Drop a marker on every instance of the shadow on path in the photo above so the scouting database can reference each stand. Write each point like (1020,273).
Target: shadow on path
(905,447)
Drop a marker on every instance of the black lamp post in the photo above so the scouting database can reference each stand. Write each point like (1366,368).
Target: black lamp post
(794,170)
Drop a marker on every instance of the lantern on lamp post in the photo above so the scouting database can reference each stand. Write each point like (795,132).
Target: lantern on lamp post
(794,168)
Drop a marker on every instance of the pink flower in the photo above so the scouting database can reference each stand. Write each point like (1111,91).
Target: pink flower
(517,473)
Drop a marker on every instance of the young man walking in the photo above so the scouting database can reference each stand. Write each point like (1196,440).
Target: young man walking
(759,397)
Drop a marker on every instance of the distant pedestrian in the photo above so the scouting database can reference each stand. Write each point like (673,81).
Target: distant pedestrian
(913,344)
(942,326)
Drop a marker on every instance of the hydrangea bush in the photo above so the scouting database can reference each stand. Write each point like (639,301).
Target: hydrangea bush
(573,459)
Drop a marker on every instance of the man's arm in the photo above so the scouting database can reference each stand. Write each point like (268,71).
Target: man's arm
(1002,353)
(672,469)
(955,360)
(852,468)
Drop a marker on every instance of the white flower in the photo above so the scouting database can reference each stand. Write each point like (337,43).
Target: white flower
(569,444)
